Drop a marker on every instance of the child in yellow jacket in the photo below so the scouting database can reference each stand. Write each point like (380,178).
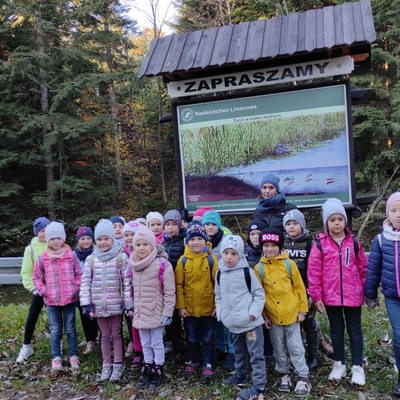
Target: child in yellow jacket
(285,308)
(194,277)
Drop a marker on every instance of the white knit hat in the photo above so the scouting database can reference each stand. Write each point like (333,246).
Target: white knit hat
(55,230)
(232,242)
(154,215)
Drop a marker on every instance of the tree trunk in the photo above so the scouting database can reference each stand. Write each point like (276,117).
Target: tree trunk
(114,117)
(44,103)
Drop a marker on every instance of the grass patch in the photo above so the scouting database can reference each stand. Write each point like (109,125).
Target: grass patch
(34,380)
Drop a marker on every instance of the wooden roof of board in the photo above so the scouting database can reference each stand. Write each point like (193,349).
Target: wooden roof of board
(334,31)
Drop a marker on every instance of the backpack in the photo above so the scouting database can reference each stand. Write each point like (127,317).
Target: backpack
(288,267)
(246,272)
(355,244)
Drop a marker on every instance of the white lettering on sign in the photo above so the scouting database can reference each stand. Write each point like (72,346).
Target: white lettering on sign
(289,73)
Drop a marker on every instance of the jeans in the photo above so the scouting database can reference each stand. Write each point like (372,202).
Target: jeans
(35,308)
(173,332)
(337,316)
(393,310)
(250,344)
(59,317)
(200,330)
(223,337)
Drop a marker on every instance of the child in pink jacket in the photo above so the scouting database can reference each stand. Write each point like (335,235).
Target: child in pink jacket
(336,278)
(57,277)
(154,302)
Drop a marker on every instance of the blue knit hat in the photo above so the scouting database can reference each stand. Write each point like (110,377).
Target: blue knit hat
(117,218)
(194,230)
(84,231)
(211,217)
(256,224)
(104,227)
(271,178)
(39,224)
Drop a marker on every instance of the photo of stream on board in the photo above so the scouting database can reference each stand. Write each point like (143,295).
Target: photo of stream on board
(302,136)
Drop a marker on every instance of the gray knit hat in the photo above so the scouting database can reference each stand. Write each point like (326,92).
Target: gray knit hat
(332,206)
(55,230)
(295,215)
(173,215)
(232,242)
(104,228)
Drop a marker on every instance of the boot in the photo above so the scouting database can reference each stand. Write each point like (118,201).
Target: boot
(157,376)
(117,371)
(145,378)
(396,389)
(90,348)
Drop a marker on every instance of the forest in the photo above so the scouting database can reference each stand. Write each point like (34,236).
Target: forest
(80,137)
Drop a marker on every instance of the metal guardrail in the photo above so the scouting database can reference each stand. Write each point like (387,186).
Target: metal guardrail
(10,270)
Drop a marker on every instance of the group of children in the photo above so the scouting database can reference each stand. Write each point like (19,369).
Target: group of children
(249,301)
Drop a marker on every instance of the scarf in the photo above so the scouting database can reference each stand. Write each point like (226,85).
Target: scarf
(389,233)
(109,254)
(268,205)
(82,254)
(57,254)
(215,240)
(138,265)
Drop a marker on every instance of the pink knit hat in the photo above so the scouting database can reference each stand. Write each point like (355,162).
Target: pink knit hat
(144,233)
(394,197)
(200,211)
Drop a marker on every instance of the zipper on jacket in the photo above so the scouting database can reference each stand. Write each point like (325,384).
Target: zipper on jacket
(61,284)
(341,273)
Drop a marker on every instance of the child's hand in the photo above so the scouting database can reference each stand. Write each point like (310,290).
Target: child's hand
(268,323)
(319,306)
(372,303)
(300,317)
(214,313)
(310,302)
(183,313)
(252,317)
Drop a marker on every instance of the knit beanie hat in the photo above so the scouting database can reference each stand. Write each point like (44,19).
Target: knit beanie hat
(273,235)
(144,233)
(211,217)
(117,218)
(131,226)
(232,242)
(55,230)
(104,228)
(295,215)
(84,231)
(256,224)
(332,206)
(39,224)
(154,215)
(391,199)
(271,178)
(173,215)
(142,221)
(195,229)
(200,211)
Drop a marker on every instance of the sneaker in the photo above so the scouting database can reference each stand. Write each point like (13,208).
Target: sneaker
(168,347)
(235,380)
(117,371)
(25,352)
(56,364)
(90,348)
(229,364)
(252,393)
(105,373)
(208,372)
(303,388)
(190,369)
(74,361)
(357,375)
(284,383)
(129,350)
(137,360)
(338,371)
